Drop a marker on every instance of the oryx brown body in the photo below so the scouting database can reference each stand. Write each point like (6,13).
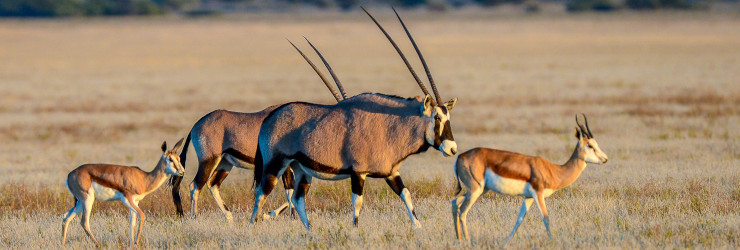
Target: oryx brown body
(367,135)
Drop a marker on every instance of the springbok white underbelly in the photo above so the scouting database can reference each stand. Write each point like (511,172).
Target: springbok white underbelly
(103,193)
(511,186)
(505,185)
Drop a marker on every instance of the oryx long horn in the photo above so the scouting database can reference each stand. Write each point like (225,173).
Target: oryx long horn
(326,82)
(334,76)
(406,61)
(587,128)
(421,57)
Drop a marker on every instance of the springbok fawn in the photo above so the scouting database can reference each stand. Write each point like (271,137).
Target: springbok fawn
(106,182)
(482,169)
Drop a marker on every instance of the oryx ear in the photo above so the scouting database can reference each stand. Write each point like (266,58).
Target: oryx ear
(177,145)
(579,134)
(164,146)
(451,103)
(426,109)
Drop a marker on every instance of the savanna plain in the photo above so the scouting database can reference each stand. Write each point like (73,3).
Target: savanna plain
(661,90)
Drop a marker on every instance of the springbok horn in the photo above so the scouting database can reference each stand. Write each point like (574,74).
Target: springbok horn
(583,130)
(326,82)
(587,128)
(334,76)
(421,57)
(406,61)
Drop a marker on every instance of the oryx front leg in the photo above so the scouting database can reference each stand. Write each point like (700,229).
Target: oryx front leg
(526,204)
(395,182)
(358,184)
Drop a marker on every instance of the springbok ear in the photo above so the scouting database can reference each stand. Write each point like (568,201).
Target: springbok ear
(178,145)
(164,146)
(426,109)
(451,103)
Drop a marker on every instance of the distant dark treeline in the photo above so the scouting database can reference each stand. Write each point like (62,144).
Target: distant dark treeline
(67,8)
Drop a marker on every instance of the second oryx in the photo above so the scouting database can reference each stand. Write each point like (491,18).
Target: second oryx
(223,139)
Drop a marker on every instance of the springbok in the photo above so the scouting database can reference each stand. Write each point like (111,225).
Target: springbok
(481,170)
(367,135)
(223,139)
(106,182)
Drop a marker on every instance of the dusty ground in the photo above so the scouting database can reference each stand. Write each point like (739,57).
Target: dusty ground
(662,93)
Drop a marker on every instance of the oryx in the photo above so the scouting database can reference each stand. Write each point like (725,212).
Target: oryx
(223,139)
(367,135)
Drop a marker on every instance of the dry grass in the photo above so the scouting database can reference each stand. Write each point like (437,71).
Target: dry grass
(661,93)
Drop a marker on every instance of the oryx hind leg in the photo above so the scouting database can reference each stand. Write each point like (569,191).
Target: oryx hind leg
(214,185)
(205,169)
(288,183)
(302,184)
(395,182)
(271,170)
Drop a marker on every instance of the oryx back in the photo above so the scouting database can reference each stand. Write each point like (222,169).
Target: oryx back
(367,133)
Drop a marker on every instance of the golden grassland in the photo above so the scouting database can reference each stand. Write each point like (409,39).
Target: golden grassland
(662,93)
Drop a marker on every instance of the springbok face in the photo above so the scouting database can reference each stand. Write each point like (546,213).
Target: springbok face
(172,159)
(439,132)
(590,148)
